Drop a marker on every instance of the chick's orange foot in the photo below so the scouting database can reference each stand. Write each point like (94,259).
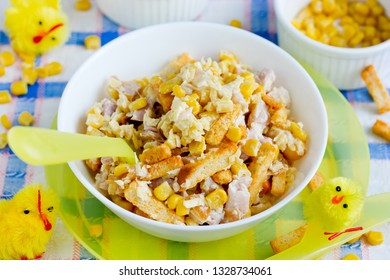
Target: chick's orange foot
(333,235)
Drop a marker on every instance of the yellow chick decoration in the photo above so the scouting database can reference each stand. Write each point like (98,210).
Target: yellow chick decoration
(27,222)
(36,26)
(335,205)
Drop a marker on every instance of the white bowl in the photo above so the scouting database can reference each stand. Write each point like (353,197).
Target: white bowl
(342,66)
(140,13)
(132,56)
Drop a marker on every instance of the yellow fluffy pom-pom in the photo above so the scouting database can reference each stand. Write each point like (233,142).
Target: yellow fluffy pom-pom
(335,205)
(36,26)
(27,222)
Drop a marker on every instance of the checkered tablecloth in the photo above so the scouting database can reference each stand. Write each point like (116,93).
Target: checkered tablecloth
(43,99)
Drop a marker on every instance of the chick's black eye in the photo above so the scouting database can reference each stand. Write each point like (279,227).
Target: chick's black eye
(345,205)
(50,209)
(53,38)
(338,188)
(26,211)
(40,22)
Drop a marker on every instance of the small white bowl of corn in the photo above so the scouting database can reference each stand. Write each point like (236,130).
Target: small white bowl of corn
(337,38)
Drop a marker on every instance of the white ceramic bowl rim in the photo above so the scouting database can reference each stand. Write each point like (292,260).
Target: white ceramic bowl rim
(172,227)
(351,53)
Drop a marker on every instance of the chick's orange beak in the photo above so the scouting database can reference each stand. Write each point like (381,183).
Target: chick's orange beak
(46,222)
(44,218)
(37,39)
(337,199)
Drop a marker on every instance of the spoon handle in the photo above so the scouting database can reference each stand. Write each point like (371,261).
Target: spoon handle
(41,146)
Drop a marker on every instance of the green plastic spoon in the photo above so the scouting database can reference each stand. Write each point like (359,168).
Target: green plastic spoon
(41,146)
(314,244)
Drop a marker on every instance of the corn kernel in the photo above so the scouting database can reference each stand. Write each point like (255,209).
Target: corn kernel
(42,72)
(163,191)
(354,240)
(216,199)
(178,91)
(25,118)
(316,6)
(371,21)
(362,9)
(385,26)
(3,140)
(348,31)
(341,10)
(248,76)
(19,88)
(382,20)
(167,87)
(237,167)
(29,75)
(346,20)
(350,257)
(197,147)
(121,169)
(259,89)
(5,121)
(53,68)
(374,237)
(95,230)
(338,41)
(7,58)
(365,44)
(236,23)
(5,97)
(251,147)
(357,39)
(322,22)
(331,31)
(298,132)
(173,201)
(138,104)
(226,55)
(181,210)
(328,6)
(359,18)
(369,32)
(2,71)
(376,41)
(234,134)
(82,5)
(247,88)
(385,35)
(92,42)
(377,10)
(312,32)
(192,101)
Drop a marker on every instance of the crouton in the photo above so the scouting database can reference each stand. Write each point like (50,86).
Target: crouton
(155,154)
(288,240)
(220,127)
(140,195)
(194,172)
(259,167)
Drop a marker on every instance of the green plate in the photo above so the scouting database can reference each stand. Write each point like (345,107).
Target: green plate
(346,155)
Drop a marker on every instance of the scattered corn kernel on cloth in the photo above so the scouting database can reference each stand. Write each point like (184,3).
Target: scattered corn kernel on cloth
(74,240)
